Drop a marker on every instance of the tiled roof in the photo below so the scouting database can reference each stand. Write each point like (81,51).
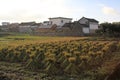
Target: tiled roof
(37,24)
(27,23)
(90,20)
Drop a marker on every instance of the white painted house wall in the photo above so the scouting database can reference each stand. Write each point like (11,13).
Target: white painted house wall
(93,25)
(86,30)
(5,23)
(59,21)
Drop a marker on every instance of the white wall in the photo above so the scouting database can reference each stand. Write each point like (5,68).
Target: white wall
(93,25)
(59,22)
(86,30)
(5,23)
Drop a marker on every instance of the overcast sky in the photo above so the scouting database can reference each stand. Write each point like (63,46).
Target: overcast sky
(40,10)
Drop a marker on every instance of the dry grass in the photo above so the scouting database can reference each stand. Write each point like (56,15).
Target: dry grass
(23,40)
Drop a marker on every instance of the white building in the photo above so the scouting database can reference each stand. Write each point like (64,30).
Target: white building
(90,25)
(5,23)
(59,21)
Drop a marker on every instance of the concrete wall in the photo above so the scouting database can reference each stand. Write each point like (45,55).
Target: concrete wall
(93,25)
(59,22)
(25,29)
(69,30)
(86,30)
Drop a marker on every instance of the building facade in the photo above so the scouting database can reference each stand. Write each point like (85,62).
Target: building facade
(5,23)
(89,25)
(59,21)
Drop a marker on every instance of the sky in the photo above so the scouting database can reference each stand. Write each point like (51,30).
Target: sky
(40,10)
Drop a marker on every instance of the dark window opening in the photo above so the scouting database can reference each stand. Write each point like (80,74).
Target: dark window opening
(61,21)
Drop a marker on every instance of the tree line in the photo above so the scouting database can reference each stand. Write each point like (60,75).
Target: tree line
(109,29)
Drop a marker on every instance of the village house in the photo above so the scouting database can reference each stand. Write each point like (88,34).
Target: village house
(84,26)
(89,25)
(5,26)
(43,28)
(26,27)
(5,23)
(13,27)
(59,21)
(58,26)
(53,23)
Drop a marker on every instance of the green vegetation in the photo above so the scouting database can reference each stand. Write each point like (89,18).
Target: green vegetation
(16,39)
(110,29)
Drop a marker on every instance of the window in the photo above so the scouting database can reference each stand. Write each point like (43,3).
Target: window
(61,21)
